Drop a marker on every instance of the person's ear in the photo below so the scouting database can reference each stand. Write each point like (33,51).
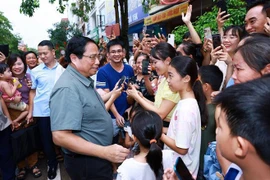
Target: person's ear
(242,147)
(205,86)
(186,79)
(168,61)
(73,58)
(134,137)
(266,69)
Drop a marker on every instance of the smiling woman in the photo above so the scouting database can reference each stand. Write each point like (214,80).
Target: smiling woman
(18,68)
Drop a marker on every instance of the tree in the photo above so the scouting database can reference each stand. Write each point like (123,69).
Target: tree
(6,36)
(236,9)
(81,9)
(61,33)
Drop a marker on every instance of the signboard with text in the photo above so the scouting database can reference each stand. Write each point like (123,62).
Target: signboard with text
(167,14)
(135,11)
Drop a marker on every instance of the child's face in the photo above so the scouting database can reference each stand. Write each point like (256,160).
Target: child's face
(7,74)
(225,141)
(175,81)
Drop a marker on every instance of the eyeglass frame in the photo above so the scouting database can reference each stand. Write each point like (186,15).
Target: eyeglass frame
(93,57)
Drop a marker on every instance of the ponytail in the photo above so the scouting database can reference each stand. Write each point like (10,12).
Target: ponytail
(201,99)
(147,128)
(154,159)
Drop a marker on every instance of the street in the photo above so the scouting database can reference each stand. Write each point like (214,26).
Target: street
(61,172)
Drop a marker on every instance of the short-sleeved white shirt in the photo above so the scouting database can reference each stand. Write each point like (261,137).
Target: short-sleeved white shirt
(185,129)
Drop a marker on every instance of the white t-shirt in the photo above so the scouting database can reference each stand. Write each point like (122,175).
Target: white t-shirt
(185,129)
(131,169)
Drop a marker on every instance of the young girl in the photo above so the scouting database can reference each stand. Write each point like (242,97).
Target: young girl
(8,87)
(184,132)
(147,164)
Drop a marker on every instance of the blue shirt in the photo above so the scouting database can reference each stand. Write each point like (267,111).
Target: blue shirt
(107,77)
(43,79)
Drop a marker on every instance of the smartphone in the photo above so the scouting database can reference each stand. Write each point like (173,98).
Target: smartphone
(157,32)
(145,64)
(122,80)
(150,33)
(207,33)
(216,40)
(181,170)
(222,5)
(135,36)
(4,48)
(144,29)
(171,39)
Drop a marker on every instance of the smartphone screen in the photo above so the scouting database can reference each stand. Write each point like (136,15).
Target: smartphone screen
(181,170)
(149,33)
(4,48)
(122,80)
(135,36)
(207,33)
(216,40)
(171,39)
(145,64)
(222,5)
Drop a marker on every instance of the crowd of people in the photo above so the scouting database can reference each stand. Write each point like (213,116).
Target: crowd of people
(117,119)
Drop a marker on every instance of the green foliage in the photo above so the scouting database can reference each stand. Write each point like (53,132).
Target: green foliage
(28,7)
(6,36)
(237,12)
(61,33)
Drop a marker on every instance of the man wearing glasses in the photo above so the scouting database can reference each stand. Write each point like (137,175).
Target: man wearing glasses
(109,75)
(80,123)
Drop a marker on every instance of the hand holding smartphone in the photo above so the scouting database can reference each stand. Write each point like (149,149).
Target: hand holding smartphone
(145,64)
(171,39)
(121,81)
(181,170)
(207,33)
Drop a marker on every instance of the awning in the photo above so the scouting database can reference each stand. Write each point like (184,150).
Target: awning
(166,14)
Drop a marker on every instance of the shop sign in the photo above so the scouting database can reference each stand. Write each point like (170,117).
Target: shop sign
(166,14)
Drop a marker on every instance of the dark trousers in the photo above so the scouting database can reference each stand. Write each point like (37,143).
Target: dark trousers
(7,165)
(44,125)
(81,167)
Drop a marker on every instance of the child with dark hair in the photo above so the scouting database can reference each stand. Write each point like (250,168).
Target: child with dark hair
(147,164)
(243,128)
(9,89)
(184,133)
(211,79)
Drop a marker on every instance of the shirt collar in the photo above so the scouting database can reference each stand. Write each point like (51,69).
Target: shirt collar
(46,67)
(86,81)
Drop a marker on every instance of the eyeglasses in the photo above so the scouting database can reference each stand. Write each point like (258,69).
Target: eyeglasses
(118,51)
(93,57)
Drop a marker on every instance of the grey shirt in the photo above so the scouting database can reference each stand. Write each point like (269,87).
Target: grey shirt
(75,105)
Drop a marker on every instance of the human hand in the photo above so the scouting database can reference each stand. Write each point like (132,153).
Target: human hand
(207,45)
(136,42)
(29,118)
(115,153)
(2,57)
(186,18)
(132,91)
(224,56)
(221,19)
(16,81)
(214,94)
(116,92)
(267,26)
(215,54)
(14,125)
(28,82)
(169,174)
(120,121)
